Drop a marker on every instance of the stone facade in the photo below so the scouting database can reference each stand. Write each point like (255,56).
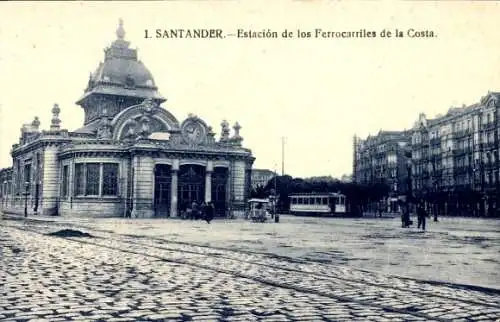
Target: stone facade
(455,162)
(456,156)
(260,177)
(383,158)
(116,164)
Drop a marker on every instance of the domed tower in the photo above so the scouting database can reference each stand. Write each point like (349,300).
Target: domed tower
(119,82)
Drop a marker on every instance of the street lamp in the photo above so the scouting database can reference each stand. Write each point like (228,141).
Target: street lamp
(4,194)
(409,192)
(27,186)
(37,195)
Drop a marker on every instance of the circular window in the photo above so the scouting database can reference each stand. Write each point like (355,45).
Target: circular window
(129,81)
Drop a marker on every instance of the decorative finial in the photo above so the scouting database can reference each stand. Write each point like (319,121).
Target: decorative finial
(210,135)
(237,137)
(225,130)
(35,123)
(120,32)
(237,128)
(55,124)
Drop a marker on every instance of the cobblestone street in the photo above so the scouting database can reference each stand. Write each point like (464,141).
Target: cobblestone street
(117,275)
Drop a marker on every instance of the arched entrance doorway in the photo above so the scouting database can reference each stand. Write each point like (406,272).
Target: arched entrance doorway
(191,185)
(219,182)
(163,181)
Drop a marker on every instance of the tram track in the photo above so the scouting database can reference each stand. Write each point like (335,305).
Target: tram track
(322,275)
(316,284)
(364,272)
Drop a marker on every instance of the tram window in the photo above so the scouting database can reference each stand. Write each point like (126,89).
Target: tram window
(324,201)
(300,201)
(318,201)
(306,201)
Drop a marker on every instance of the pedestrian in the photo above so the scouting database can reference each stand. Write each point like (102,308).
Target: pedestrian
(421,215)
(194,210)
(199,213)
(202,211)
(405,216)
(209,212)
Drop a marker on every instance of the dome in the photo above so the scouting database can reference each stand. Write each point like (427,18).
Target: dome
(121,74)
(124,72)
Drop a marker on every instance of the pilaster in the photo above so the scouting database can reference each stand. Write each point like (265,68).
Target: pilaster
(174,188)
(143,187)
(51,181)
(208,181)
(238,183)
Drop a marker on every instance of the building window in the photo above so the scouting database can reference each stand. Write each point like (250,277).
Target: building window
(96,179)
(93,179)
(79,179)
(65,181)
(110,179)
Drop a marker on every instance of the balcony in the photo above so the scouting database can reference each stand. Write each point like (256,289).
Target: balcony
(489,145)
(435,141)
(488,126)
(491,165)
(462,133)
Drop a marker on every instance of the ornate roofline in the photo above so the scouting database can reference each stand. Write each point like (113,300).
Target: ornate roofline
(145,111)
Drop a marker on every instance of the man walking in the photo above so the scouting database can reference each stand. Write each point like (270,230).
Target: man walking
(209,212)
(421,215)
(405,217)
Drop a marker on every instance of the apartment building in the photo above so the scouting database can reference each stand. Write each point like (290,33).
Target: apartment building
(455,160)
(383,159)
(260,177)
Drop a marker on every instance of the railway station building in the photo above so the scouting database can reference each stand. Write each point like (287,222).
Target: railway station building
(130,157)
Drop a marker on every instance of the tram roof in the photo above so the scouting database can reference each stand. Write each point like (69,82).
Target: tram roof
(316,194)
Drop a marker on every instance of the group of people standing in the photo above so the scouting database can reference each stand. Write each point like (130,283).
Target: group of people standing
(196,211)
(422,216)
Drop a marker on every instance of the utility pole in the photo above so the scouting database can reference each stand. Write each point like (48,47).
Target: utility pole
(275,197)
(282,155)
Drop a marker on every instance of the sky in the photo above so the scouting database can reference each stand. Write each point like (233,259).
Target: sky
(317,93)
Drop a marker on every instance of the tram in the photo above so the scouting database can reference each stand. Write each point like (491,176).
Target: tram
(318,204)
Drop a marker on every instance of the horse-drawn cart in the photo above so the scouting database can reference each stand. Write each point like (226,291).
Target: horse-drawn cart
(258,210)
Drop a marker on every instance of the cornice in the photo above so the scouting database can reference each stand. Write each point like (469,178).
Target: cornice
(39,143)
